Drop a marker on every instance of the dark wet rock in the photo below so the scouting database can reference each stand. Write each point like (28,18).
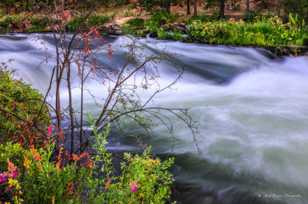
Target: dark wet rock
(305,41)
(180,27)
(112,29)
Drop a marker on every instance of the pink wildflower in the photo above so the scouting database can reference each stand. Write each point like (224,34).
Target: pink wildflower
(12,170)
(134,187)
(49,130)
(14,174)
(3,178)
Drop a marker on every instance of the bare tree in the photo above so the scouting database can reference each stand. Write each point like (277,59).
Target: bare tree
(77,53)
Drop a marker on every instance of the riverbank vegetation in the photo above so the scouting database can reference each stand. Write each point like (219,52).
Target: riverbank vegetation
(34,170)
(260,31)
(23,118)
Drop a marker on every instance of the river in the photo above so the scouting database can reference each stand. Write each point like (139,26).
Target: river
(250,108)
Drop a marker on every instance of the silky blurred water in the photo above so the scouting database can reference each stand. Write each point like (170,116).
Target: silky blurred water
(251,111)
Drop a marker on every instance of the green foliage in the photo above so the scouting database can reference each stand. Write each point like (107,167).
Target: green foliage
(140,27)
(40,180)
(14,152)
(135,27)
(150,176)
(97,20)
(109,2)
(149,4)
(44,181)
(143,180)
(250,16)
(75,24)
(8,23)
(21,110)
(158,19)
(23,23)
(256,31)
(39,24)
(260,32)
(82,23)
(299,7)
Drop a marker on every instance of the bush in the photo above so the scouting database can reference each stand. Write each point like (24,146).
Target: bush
(39,24)
(159,19)
(83,23)
(30,176)
(299,7)
(22,114)
(135,27)
(8,23)
(259,32)
(143,180)
(97,20)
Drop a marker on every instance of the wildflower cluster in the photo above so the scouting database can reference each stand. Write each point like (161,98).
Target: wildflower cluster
(9,184)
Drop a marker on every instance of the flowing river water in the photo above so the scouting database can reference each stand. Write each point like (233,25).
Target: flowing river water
(251,111)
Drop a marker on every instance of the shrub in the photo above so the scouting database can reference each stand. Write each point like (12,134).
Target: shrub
(143,180)
(75,24)
(22,114)
(97,20)
(260,32)
(158,19)
(8,23)
(135,26)
(82,22)
(36,179)
(30,176)
(39,24)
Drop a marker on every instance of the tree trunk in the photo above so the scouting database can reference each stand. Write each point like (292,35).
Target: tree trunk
(7,9)
(195,7)
(222,9)
(166,4)
(247,6)
(188,7)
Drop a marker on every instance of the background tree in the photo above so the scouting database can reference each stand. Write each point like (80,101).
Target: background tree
(166,5)
(222,9)
(195,7)
(188,7)
(247,6)
(299,7)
